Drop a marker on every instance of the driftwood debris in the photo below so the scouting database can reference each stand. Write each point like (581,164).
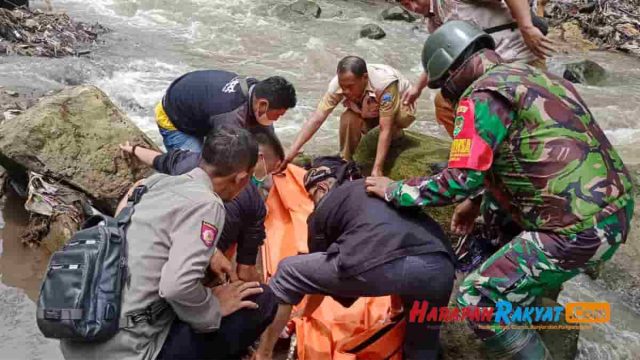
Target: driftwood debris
(36,33)
(610,24)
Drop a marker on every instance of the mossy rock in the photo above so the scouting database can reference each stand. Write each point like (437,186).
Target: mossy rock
(412,155)
(73,137)
(302,160)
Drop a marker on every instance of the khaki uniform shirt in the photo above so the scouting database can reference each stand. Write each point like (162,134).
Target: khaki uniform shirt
(171,239)
(484,14)
(382,94)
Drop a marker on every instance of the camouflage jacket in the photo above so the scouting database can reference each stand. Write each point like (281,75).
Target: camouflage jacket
(528,137)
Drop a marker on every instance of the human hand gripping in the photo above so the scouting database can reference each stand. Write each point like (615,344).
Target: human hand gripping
(377,186)
(537,42)
(464,217)
(231,296)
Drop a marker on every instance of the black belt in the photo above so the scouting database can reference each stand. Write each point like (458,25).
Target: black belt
(510,26)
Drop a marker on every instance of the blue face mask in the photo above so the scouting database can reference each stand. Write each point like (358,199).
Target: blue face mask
(257,182)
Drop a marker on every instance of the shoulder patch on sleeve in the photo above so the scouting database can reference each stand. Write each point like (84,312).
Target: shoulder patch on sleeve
(208,233)
(386,98)
(468,149)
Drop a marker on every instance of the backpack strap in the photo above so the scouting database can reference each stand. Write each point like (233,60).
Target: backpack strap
(127,212)
(149,314)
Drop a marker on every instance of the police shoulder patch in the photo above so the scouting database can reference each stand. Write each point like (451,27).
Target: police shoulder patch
(208,233)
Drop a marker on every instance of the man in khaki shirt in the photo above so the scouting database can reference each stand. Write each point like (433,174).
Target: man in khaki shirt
(371,94)
(171,242)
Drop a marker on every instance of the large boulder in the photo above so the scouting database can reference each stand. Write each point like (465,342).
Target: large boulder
(372,31)
(584,72)
(306,8)
(298,9)
(397,13)
(411,155)
(73,137)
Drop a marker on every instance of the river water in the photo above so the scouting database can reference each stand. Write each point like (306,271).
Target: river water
(154,41)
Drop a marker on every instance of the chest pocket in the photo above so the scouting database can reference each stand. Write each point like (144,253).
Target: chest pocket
(370,108)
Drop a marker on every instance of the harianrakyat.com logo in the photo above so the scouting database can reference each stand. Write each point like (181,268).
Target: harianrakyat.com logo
(577,315)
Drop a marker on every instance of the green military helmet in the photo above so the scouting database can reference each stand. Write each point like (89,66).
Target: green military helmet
(448,44)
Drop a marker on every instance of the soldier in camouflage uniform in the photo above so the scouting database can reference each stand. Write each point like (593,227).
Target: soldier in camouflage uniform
(526,143)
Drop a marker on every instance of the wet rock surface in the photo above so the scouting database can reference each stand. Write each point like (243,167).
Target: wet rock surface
(397,13)
(412,155)
(73,137)
(299,9)
(372,31)
(584,72)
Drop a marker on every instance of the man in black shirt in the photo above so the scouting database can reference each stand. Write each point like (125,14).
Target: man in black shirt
(361,246)
(245,214)
(201,101)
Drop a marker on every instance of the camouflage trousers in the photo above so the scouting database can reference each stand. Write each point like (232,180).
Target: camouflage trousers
(534,262)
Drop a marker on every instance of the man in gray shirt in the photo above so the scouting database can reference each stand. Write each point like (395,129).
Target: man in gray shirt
(171,240)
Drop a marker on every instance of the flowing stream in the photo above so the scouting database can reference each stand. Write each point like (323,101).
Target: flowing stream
(154,41)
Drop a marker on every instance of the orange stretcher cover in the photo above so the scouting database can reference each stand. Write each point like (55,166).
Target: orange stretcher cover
(332,332)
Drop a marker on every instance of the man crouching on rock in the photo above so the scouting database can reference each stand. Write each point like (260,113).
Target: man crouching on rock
(371,94)
(360,246)
(167,312)
(201,101)
(245,214)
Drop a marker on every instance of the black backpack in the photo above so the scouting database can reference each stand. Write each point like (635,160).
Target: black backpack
(80,296)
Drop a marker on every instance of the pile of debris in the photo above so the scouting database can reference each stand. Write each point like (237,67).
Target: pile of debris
(610,24)
(36,33)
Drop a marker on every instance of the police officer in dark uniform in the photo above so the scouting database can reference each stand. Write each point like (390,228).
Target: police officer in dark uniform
(200,101)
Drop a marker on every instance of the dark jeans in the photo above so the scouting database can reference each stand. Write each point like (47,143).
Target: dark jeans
(175,139)
(426,277)
(237,332)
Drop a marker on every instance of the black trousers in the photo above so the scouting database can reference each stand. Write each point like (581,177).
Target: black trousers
(237,332)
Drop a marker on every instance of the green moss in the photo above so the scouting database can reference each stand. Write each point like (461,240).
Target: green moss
(73,136)
(412,155)
(302,160)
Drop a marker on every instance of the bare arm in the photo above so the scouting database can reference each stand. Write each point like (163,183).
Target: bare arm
(410,96)
(145,155)
(535,40)
(384,140)
(389,110)
(123,201)
(521,12)
(306,133)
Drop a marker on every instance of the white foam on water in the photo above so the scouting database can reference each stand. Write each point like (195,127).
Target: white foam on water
(138,87)
(618,339)
(624,136)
